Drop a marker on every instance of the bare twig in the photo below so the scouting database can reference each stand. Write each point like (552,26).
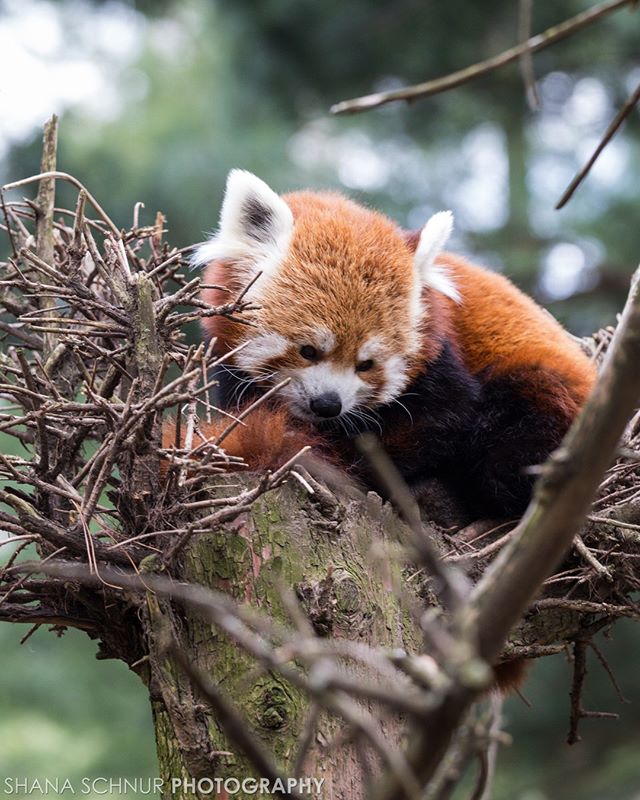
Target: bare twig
(236,728)
(532,45)
(452,584)
(577,711)
(620,117)
(525,13)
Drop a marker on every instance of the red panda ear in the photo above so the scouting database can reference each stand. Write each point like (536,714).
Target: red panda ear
(255,227)
(431,242)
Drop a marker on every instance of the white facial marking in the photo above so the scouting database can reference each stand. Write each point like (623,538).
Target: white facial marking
(324,339)
(395,368)
(255,228)
(261,349)
(310,382)
(370,349)
(395,378)
(433,238)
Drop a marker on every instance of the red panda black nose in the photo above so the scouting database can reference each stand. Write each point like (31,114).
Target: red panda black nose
(326,405)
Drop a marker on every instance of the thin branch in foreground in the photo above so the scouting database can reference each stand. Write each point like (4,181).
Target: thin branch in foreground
(224,612)
(611,131)
(452,584)
(564,493)
(532,45)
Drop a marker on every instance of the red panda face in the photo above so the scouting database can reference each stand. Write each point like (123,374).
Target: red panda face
(339,295)
(326,378)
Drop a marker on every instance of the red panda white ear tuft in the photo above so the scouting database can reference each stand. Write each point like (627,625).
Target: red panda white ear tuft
(433,238)
(255,226)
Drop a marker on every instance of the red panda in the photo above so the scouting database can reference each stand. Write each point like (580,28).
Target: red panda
(462,376)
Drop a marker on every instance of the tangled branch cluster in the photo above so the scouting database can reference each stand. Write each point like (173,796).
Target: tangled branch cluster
(94,355)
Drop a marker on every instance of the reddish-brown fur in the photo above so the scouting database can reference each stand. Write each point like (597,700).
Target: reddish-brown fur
(343,257)
(510,675)
(497,327)
(346,257)
(266,439)
(500,329)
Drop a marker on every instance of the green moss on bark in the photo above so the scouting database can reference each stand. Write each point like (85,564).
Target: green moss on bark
(287,541)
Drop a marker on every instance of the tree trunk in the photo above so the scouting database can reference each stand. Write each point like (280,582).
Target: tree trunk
(334,555)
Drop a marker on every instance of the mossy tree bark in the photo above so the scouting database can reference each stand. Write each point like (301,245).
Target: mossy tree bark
(333,555)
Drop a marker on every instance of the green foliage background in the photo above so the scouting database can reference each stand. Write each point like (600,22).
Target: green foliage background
(215,85)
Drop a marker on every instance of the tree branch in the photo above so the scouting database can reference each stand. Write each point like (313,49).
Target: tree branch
(552,35)
(617,121)
(564,494)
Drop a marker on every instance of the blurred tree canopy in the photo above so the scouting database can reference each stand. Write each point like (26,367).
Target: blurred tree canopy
(235,83)
(206,86)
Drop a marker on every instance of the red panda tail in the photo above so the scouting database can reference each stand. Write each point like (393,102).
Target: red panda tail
(266,439)
(510,675)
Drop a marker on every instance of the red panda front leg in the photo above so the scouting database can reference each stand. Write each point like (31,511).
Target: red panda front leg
(518,429)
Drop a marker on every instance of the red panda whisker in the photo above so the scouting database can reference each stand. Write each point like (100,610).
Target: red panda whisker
(346,425)
(373,421)
(238,372)
(402,405)
(359,413)
(242,384)
(248,384)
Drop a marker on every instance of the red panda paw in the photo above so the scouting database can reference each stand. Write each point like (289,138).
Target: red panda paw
(265,440)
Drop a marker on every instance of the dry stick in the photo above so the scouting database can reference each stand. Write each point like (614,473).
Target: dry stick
(483,790)
(46,193)
(566,489)
(64,176)
(238,419)
(267,481)
(588,556)
(9,229)
(620,117)
(43,441)
(532,45)
(249,629)
(45,203)
(525,14)
(221,610)
(306,739)
(453,585)
(561,501)
(487,550)
(577,711)
(32,342)
(588,607)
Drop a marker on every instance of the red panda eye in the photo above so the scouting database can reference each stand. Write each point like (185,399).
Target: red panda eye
(309,352)
(364,366)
